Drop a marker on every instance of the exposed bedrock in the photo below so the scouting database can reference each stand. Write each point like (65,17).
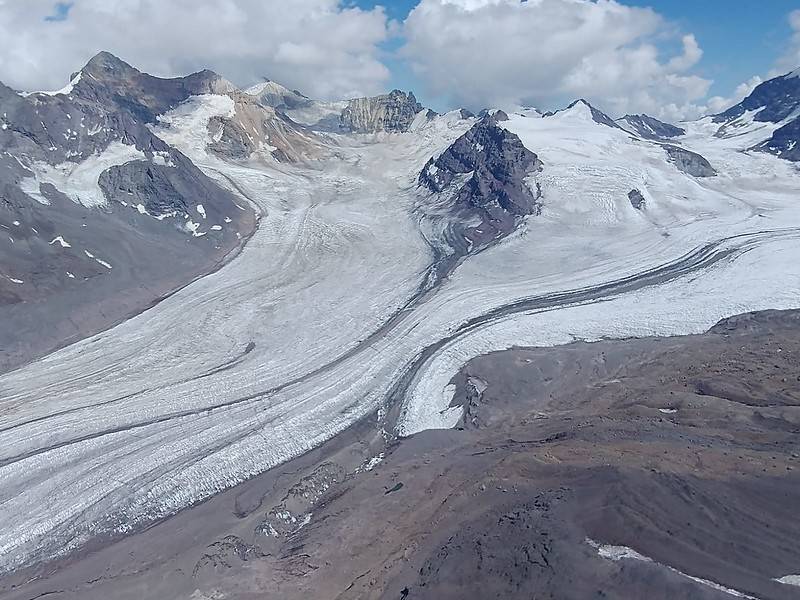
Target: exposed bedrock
(637,199)
(785,142)
(392,112)
(482,177)
(772,101)
(689,162)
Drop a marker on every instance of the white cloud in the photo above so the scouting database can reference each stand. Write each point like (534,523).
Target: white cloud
(791,58)
(544,52)
(317,46)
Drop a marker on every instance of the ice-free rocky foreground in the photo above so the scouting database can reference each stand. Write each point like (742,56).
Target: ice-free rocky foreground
(351,301)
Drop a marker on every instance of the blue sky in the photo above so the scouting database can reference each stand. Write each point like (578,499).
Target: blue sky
(739,39)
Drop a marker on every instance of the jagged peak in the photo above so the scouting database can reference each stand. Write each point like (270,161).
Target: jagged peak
(104,63)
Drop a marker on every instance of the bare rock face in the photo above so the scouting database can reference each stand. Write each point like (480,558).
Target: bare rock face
(649,127)
(392,112)
(774,100)
(637,200)
(689,162)
(484,171)
(785,142)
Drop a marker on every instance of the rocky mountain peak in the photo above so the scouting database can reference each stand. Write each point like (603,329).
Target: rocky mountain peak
(105,65)
(392,112)
(485,170)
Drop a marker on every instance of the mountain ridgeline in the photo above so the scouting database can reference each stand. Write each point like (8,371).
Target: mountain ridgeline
(102,179)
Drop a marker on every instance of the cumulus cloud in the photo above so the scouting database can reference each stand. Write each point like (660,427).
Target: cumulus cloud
(791,58)
(318,46)
(544,52)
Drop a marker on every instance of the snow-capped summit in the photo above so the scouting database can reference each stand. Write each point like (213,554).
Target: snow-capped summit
(649,127)
(582,110)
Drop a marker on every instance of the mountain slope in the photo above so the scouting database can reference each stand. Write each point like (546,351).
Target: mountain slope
(771,110)
(91,200)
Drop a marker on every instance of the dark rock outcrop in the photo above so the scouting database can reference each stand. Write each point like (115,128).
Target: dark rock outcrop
(637,199)
(689,162)
(392,112)
(785,142)
(495,164)
(649,127)
(775,100)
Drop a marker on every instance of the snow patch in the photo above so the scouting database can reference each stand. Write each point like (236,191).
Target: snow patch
(66,90)
(79,181)
(61,241)
(186,126)
(617,553)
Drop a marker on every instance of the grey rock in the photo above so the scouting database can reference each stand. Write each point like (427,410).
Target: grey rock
(689,162)
(392,112)
(496,190)
(785,142)
(649,127)
(775,100)
(637,199)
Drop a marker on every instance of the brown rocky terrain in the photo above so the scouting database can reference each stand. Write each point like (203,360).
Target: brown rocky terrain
(659,468)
